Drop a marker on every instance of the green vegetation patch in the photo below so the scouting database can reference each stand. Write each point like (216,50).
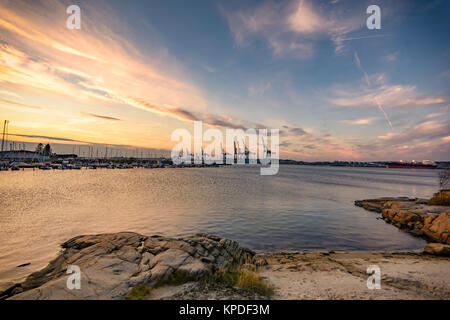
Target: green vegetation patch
(139,292)
(176,278)
(244,279)
(232,277)
(440,200)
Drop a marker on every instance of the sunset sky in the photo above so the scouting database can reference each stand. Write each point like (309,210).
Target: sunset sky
(137,70)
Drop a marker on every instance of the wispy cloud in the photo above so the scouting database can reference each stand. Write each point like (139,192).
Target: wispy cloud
(9,93)
(360,121)
(72,63)
(392,56)
(100,71)
(209,68)
(434,115)
(98,116)
(376,91)
(391,96)
(306,19)
(18,26)
(302,142)
(44,137)
(13,104)
(425,131)
(259,89)
(292,28)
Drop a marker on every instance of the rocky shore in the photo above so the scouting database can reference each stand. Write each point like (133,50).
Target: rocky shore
(415,217)
(114,265)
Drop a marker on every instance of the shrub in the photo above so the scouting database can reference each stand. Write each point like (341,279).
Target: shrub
(176,278)
(139,292)
(244,279)
(440,199)
(235,276)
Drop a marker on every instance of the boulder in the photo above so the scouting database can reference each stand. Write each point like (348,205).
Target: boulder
(438,249)
(413,215)
(437,227)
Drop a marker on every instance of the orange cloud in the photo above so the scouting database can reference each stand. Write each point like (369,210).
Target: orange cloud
(95,52)
(360,121)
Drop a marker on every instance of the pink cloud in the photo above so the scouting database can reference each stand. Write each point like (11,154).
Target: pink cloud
(360,121)
(387,95)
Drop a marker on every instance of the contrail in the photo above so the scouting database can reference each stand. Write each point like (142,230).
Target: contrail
(366,77)
(385,115)
(358,64)
(366,37)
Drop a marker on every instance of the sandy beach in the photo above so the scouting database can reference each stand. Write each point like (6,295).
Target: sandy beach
(342,275)
(336,276)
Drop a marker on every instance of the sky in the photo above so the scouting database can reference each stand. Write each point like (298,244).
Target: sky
(138,70)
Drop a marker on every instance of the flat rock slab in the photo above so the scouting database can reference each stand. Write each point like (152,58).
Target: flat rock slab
(111,264)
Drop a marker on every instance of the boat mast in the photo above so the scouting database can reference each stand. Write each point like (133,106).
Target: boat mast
(5,132)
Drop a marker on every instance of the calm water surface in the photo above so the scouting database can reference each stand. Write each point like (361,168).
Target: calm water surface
(301,208)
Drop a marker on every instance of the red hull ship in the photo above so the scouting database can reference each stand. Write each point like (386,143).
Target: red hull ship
(411,165)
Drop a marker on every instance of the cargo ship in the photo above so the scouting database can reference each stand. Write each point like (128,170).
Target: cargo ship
(411,165)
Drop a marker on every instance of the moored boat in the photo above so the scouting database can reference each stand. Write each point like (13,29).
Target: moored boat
(411,165)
